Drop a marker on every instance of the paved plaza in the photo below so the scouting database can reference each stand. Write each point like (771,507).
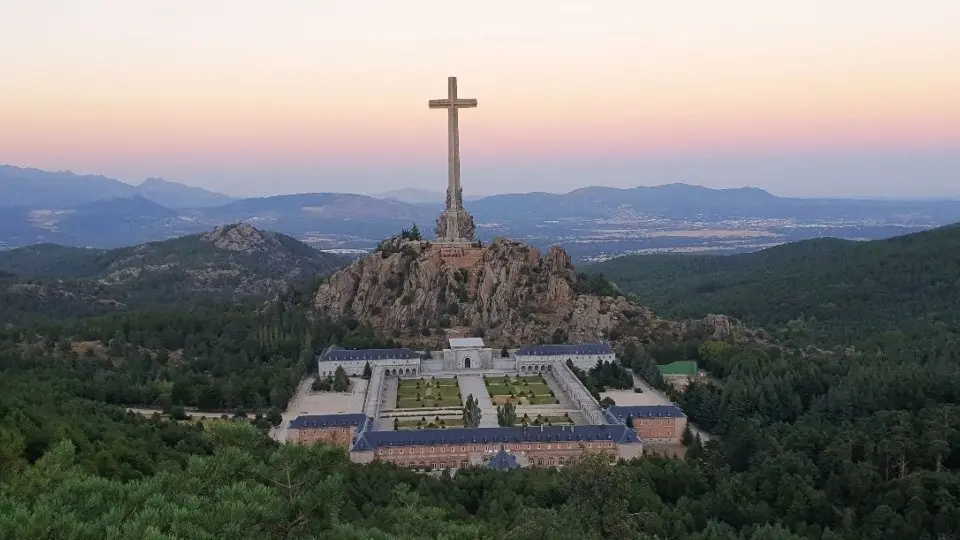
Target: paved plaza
(306,401)
(473,384)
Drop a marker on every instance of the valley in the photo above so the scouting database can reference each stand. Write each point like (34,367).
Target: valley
(592,224)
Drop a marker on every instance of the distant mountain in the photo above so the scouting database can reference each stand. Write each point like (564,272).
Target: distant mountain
(33,188)
(591,223)
(316,216)
(331,220)
(103,223)
(230,263)
(420,196)
(44,190)
(682,201)
(176,195)
(847,292)
(413,196)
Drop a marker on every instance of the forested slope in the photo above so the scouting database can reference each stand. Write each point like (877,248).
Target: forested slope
(813,443)
(231,263)
(846,292)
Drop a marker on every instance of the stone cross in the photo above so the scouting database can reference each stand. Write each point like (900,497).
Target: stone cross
(454,194)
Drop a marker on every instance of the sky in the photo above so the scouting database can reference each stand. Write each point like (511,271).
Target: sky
(250,98)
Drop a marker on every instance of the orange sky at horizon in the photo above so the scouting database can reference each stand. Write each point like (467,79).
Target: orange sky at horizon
(321,82)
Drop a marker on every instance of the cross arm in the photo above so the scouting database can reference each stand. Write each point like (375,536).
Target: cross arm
(446,104)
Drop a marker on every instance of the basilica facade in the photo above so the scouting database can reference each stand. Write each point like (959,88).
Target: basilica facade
(462,354)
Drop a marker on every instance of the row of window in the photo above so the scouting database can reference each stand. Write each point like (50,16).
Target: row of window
(540,462)
(481,448)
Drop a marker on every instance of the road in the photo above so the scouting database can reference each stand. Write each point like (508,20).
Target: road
(149,412)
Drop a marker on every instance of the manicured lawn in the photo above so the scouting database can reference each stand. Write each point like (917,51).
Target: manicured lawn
(431,393)
(530,390)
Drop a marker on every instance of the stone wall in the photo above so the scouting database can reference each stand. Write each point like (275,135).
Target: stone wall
(336,436)
(660,430)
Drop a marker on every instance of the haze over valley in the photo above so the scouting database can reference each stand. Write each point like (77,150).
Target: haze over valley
(591,223)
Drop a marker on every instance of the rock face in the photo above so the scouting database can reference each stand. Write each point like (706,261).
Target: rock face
(241,237)
(507,292)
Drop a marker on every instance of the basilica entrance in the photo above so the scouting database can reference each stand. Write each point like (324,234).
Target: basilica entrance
(466,363)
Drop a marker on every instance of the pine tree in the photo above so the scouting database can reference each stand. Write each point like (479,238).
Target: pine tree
(687,438)
(340,381)
(471,413)
(367,371)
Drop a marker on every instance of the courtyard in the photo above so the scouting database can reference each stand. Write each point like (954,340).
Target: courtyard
(428,393)
(520,390)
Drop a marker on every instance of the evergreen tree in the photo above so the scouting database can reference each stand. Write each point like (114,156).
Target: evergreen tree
(340,380)
(367,371)
(471,412)
(273,416)
(687,438)
(506,415)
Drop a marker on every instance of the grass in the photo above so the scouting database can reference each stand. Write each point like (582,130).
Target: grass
(528,390)
(431,393)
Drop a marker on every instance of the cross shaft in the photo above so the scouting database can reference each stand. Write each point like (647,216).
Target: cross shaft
(451,103)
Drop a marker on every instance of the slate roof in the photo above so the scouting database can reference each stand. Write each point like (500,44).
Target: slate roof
(620,413)
(503,461)
(311,421)
(372,440)
(337,354)
(466,342)
(560,350)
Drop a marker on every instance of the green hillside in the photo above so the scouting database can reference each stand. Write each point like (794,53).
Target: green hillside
(845,292)
(227,264)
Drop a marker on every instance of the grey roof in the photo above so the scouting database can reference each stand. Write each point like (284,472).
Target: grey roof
(621,412)
(372,440)
(560,350)
(466,342)
(337,354)
(328,420)
(503,461)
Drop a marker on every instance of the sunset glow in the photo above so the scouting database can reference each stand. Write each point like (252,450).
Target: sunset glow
(133,88)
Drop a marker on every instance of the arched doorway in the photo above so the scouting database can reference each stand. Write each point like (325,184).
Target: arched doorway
(466,363)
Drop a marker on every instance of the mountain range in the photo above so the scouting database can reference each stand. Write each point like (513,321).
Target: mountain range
(592,223)
(37,189)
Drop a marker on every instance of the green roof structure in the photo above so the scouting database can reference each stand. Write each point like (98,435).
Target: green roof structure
(679,368)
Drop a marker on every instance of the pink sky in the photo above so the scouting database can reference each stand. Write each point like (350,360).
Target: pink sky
(195,90)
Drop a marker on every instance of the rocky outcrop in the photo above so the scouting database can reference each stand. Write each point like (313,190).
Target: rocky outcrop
(508,293)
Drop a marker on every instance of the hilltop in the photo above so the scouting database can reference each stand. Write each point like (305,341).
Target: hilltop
(845,291)
(228,263)
(506,292)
